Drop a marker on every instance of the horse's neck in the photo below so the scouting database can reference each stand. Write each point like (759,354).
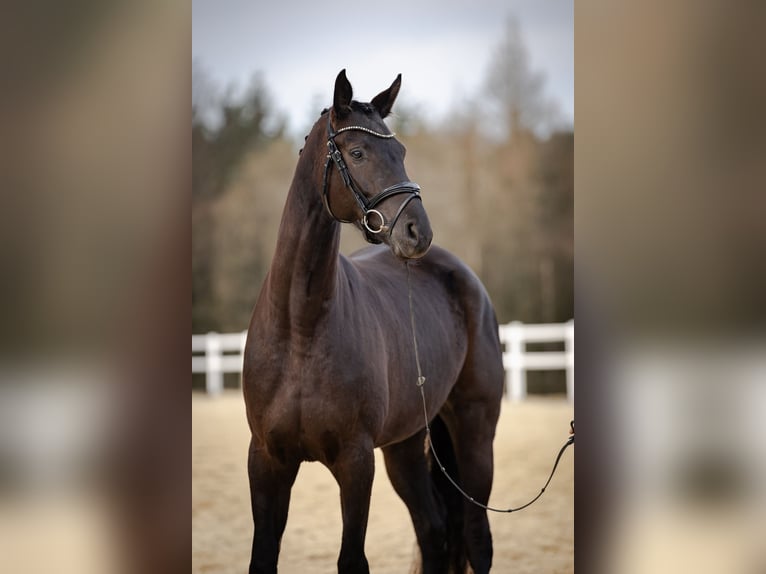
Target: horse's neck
(304,269)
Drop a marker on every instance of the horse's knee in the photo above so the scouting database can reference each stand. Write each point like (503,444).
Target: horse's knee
(354,470)
(270,485)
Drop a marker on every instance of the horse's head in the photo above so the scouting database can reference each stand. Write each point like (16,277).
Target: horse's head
(364,179)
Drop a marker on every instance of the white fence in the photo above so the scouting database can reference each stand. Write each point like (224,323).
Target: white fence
(517,360)
(215,361)
(215,354)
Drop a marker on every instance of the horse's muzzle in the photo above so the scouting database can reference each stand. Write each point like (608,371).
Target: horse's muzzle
(412,236)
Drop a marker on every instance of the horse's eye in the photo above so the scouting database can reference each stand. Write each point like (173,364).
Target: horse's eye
(356,153)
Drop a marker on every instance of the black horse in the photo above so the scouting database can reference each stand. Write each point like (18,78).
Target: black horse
(329,369)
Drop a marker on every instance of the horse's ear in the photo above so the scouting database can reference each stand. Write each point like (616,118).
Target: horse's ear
(384,101)
(341,101)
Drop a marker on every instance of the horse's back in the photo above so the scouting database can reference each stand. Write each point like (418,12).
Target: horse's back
(437,262)
(437,270)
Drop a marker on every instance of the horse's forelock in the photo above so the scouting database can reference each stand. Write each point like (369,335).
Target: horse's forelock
(364,107)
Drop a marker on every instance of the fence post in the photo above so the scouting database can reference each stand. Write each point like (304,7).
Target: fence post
(213,370)
(516,376)
(569,350)
(242,344)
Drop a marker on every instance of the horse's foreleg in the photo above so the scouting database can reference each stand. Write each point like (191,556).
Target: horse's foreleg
(408,471)
(270,484)
(354,470)
(473,435)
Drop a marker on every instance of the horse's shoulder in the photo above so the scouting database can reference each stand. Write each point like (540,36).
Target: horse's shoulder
(438,262)
(440,257)
(442,262)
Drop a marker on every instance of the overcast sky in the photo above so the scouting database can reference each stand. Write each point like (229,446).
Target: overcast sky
(441,47)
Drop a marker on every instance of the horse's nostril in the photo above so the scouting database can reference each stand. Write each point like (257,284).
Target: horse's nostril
(412,233)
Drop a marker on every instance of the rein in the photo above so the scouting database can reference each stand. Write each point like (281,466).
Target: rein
(421,380)
(334,157)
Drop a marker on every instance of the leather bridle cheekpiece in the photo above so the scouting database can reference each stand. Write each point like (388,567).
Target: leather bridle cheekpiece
(366,205)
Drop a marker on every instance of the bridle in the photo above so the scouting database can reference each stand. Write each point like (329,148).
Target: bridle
(334,157)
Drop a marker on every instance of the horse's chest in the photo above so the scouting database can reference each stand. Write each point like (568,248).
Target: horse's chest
(335,372)
(314,400)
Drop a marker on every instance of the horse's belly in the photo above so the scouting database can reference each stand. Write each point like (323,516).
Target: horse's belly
(406,414)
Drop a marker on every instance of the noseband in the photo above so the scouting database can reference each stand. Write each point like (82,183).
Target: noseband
(334,157)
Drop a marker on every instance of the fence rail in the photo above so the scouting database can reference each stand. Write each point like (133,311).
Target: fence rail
(217,353)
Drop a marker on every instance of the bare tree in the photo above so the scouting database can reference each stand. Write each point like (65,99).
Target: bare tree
(226,129)
(516,89)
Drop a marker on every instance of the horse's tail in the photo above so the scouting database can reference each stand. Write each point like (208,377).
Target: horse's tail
(450,497)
